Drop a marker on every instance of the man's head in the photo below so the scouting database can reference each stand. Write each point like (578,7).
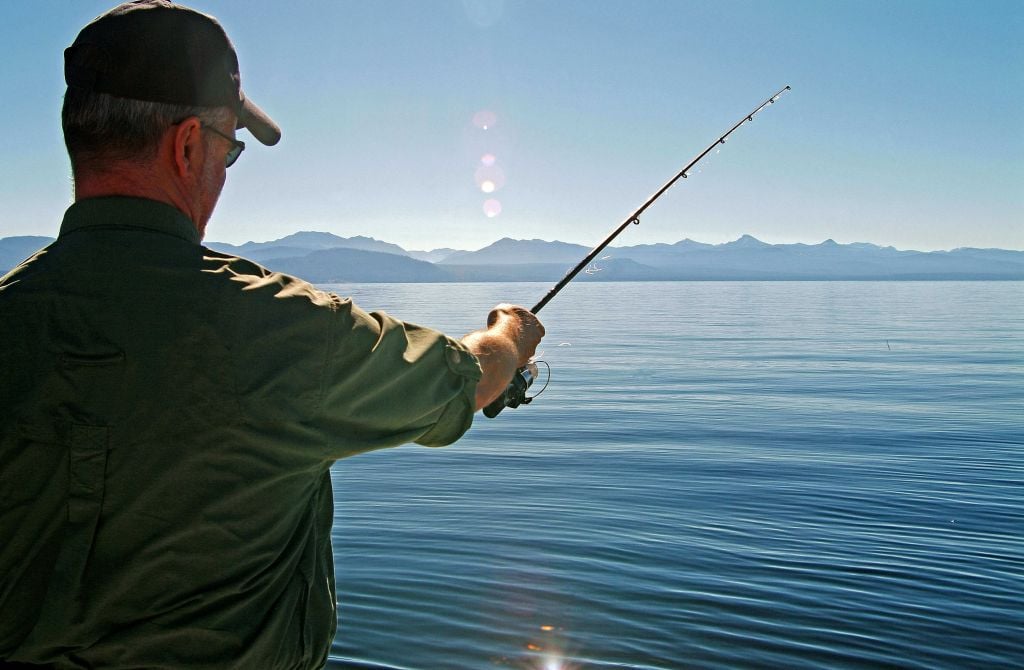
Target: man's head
(137,73)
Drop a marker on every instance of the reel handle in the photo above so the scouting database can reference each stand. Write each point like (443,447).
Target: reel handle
(514,394)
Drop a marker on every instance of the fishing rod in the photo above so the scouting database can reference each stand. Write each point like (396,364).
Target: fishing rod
(514,394)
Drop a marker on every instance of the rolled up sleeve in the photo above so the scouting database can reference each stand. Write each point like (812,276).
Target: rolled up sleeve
(323,379)
(390,382)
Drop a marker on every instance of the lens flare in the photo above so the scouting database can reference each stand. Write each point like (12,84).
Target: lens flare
(492,208)
(485,119)
(488,160)
(492,177)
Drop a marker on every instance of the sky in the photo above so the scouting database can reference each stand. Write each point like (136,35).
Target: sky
(454,123)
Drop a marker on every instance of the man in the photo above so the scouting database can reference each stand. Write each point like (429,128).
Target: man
(169,414)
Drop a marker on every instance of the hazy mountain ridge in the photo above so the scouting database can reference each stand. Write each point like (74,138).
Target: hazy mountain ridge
(347,265)
(434,255)
(14,250)
(748,258)
(325,258)
(308,241)
(507,251)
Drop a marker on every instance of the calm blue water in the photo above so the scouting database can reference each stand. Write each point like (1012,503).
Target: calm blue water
(720,475)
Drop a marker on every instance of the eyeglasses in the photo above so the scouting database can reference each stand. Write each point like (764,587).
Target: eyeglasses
(237,146)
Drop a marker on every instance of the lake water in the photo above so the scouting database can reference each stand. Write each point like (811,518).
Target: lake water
(720,475)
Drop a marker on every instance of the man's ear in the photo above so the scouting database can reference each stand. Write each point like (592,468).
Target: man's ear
(188,148)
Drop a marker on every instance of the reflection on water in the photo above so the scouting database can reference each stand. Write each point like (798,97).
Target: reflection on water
(721,475)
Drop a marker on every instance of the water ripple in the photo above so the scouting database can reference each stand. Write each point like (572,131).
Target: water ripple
(794,476)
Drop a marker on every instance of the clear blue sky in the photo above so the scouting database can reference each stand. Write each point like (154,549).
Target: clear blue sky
(904,126)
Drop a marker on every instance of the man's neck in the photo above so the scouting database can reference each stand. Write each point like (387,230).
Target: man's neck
(133,180)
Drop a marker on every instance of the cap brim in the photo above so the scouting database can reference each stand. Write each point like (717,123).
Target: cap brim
(256,121)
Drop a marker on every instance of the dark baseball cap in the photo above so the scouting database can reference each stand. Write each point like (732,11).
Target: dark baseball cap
(157,51)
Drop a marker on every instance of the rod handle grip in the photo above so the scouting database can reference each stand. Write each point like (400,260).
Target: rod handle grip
(514,394)
(494,409)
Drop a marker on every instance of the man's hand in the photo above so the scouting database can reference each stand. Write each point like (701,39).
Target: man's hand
(508,343)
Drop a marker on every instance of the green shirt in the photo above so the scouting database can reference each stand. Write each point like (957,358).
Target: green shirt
(168,418)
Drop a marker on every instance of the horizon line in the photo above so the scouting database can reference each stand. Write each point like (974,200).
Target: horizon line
(640,244)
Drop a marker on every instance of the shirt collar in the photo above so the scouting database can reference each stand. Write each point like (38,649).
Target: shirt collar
(128,213)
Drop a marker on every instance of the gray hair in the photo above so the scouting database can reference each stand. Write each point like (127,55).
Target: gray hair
(100,128)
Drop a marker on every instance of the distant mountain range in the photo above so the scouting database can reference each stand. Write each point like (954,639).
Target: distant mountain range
(14,250)
(326,258)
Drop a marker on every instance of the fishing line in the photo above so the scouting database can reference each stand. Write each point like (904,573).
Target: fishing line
(547,381)
(515,394)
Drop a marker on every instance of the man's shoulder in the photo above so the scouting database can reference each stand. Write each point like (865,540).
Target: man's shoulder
(254,281)
(33,264)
